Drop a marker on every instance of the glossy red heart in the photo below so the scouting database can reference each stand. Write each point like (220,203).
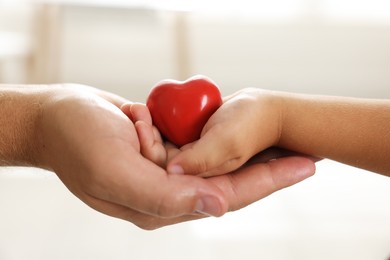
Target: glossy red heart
(180,109)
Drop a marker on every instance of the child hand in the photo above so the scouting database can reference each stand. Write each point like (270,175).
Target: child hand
(246,124)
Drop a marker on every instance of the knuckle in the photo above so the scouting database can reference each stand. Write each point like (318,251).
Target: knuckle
(166,208)
(201,165)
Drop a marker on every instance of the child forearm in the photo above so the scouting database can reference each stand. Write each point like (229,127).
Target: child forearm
(349,130)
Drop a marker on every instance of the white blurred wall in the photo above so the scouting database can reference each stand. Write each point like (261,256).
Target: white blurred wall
(129,51)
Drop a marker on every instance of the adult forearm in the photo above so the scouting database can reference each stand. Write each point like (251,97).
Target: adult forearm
(349,130)
(19,112)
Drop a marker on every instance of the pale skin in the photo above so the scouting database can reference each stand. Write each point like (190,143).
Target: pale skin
(349,130)
(82,135)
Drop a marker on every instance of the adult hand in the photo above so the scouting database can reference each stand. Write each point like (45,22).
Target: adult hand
(93,148)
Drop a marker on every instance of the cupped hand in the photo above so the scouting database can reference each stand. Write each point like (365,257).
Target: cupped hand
(94,149)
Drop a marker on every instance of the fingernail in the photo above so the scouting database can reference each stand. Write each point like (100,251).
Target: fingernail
(176,169)
(208,206)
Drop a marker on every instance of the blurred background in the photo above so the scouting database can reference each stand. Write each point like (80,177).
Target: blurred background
(333,47)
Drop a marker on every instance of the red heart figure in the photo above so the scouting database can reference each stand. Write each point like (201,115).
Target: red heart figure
(180,109)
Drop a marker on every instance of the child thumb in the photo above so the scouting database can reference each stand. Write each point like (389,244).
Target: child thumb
(205,157)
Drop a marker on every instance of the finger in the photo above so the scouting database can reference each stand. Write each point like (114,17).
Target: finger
(125,108)
(257,181)
(141,113)
(151,144)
